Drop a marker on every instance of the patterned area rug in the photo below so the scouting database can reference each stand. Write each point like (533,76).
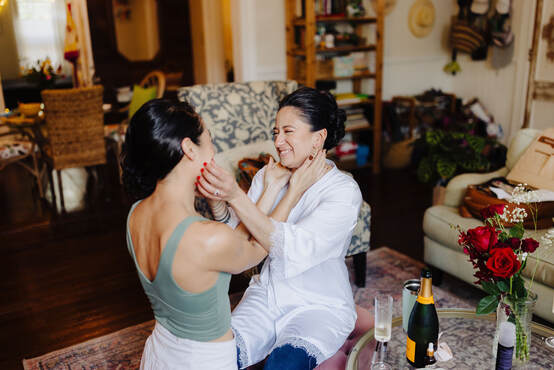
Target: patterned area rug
(386,271)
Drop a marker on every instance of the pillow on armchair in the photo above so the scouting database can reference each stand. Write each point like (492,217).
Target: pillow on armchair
(140,96)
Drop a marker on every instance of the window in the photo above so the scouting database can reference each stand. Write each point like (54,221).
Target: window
(40,31)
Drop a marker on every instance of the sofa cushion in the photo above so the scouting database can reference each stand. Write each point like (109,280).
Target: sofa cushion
(437,222)
(456,188)
(439,225)
(238,113)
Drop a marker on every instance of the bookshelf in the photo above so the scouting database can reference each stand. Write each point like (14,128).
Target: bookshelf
(304,67)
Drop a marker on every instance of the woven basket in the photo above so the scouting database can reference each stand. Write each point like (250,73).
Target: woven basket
(75,125)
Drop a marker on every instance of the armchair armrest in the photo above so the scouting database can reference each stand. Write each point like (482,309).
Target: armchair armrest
(456,188)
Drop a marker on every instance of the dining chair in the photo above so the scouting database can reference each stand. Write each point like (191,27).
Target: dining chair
(152,79)
(75,126)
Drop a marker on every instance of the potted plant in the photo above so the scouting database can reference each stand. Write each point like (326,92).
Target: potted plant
(43,74)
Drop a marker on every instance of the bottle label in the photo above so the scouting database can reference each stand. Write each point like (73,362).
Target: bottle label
(425,300)
(410,349)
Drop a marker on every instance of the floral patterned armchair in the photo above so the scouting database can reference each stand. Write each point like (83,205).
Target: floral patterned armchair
(240,117)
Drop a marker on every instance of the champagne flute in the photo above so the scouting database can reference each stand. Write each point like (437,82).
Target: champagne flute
(382,330)
(383,317)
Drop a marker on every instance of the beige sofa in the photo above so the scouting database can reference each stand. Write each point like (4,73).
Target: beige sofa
(441,249)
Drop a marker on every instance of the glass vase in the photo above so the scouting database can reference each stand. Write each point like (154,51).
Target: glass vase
(520,314)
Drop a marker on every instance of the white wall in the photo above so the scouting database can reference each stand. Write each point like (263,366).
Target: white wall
(541,112)
(259,40)
(411,65)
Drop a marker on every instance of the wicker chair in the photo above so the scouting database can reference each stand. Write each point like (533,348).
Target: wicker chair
(75,125)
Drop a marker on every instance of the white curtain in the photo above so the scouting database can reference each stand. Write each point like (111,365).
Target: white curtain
(40,34)
(85,65)
(40,31)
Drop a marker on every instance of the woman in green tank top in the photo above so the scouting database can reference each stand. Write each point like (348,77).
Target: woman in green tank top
(184,261)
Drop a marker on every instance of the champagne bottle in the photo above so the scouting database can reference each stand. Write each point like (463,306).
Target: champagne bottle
(423,326)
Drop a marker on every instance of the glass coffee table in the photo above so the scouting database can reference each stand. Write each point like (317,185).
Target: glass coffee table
(469,337)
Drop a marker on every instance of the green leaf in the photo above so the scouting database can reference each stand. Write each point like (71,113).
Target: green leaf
(490,288)
(458,135)
(503,236)
(425,170)
(517,231)
(446,168)
(503,286)
(434,137)
(476,143)
(487,305)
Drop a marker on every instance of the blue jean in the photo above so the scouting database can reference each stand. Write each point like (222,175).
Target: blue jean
(286,357)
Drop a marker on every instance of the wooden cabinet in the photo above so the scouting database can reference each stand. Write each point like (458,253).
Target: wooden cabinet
(303,66)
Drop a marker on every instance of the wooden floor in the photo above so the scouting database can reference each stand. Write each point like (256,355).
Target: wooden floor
(69,278)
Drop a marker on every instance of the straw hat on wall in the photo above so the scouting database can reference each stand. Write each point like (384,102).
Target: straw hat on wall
(421,18)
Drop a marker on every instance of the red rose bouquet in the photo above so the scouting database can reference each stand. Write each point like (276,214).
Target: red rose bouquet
(499,255)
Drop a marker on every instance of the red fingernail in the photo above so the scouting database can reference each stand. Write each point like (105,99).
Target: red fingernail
(202,170)
(205,164)
(197,177)
(311,157)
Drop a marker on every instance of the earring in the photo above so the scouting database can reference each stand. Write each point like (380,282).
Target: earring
(313,154)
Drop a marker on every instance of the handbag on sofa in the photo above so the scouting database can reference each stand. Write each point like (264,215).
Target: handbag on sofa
(536,165)
(478,197)
(247,169)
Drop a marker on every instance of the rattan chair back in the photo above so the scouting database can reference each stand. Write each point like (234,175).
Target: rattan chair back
(155,78)
(75,125)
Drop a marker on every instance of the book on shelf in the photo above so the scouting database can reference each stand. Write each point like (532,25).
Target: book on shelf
(350,98)
(353,124)
(353,110)
(324,8)
(355,116)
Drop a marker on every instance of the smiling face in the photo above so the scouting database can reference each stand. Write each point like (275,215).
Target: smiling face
(293,137)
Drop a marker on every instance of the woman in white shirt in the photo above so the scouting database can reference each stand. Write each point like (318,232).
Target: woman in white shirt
(299,310)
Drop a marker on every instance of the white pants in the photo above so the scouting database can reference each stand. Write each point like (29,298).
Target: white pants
(164,350)
(261,326)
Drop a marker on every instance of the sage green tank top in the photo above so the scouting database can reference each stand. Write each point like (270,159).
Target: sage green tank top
(197,316)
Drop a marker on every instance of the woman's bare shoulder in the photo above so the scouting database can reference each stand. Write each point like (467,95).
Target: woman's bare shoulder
(212,238)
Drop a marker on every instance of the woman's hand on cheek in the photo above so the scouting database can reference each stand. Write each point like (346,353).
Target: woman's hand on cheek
(276,175)
(216,183)
(308,173)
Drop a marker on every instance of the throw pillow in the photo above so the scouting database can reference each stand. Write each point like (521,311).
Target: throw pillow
(140,96)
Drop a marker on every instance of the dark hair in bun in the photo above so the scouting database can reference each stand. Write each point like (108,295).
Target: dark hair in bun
(320,110)
(152,145)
